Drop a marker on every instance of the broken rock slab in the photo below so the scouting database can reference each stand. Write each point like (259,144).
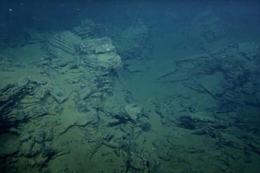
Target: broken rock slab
(62,45)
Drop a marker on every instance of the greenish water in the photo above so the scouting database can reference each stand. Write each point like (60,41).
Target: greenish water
(130,87)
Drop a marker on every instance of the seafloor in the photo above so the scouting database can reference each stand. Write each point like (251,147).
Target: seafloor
(135,98)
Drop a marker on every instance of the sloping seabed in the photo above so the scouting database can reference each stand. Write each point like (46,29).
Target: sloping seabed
(153,95)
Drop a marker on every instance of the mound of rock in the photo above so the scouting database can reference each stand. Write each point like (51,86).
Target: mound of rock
(100,53)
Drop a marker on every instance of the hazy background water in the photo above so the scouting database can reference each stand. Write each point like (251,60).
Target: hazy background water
(18,16)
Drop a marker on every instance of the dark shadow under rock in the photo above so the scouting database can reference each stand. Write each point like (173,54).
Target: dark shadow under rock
(187,122)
